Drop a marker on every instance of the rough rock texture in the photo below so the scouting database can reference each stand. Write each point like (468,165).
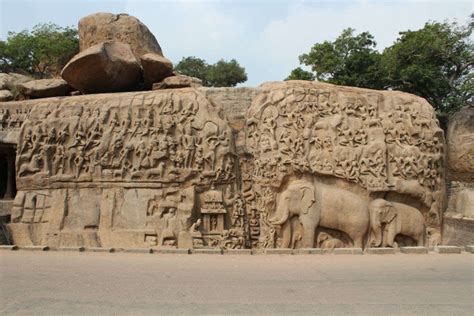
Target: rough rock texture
(45,88)
(319,166)
(101,27)
(155,68)
(5,95)
(105,67)
(459,216)
(178,81)
(11,80)
(460,141)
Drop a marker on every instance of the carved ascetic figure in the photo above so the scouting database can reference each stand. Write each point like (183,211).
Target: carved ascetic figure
(321,205)
(389,219)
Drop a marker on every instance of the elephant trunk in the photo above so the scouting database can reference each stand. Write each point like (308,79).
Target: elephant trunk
(376,230)
(281,216)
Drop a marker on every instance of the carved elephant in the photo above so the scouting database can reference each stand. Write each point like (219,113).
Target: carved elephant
(388,219)
(322,205)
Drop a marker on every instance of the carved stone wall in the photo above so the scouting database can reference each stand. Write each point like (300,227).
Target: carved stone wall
(322,153)
(289,164)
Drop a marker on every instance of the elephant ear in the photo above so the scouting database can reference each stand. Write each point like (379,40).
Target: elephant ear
(389,214)
(307,199)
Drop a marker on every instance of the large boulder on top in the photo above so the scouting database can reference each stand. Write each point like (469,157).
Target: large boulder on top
(155,68)
(44,88)
(102,27)
(105,67)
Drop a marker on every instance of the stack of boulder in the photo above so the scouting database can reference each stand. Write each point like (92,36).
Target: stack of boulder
(13,85)
(119,53)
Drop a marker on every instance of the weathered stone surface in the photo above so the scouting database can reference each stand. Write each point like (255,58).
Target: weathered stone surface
(105,67)
(11,80)
(448,249)
(178,81)
(102,27)
(5,95)
(155,68)
(458,231)
(460,141)
(161,169)
(414,250)
(45,88)
(318,150)
(381,251)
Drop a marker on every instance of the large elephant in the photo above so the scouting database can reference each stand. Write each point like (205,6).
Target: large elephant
(322,205)
(388,219)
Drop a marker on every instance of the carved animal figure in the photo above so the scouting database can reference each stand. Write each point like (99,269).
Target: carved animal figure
(31,167)
(388,219)
(322,205)
(326,241)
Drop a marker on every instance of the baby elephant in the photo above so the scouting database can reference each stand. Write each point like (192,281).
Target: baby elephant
(395,218)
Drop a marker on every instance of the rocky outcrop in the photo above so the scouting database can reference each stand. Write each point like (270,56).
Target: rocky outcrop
(44,88)
(102,27)
(105,67)
(461,145)
(178,81)
(5,95)
(155,68)
(230,168)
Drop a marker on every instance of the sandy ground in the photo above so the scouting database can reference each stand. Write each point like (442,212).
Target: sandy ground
(131,284)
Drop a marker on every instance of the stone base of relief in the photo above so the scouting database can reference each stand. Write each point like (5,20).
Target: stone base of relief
(289,164)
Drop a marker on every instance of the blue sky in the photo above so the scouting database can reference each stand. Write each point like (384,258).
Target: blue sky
(265,36)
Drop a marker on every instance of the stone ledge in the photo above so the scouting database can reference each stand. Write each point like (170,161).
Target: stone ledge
(348,251)
(137,250)
(34,248)
(238,252)
(414,250)
(8,247)
(308,251)
(207,251)
(100,249)
(469,248)
(78,249)
(278,251)
(178,251)
(381,251)
(448,249)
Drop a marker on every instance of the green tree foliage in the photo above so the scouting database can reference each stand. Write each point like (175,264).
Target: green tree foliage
(42,52)
(221,74)
(435,62)
(194,67)
(300,74)
(349,60)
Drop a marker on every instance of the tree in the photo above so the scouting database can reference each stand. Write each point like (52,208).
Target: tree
(221,74)
(194,67)
(41,52)
(349,60)
(300,74)
(226,74)
(435,62)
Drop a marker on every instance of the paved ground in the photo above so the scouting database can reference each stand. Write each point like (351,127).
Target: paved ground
(101,283)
